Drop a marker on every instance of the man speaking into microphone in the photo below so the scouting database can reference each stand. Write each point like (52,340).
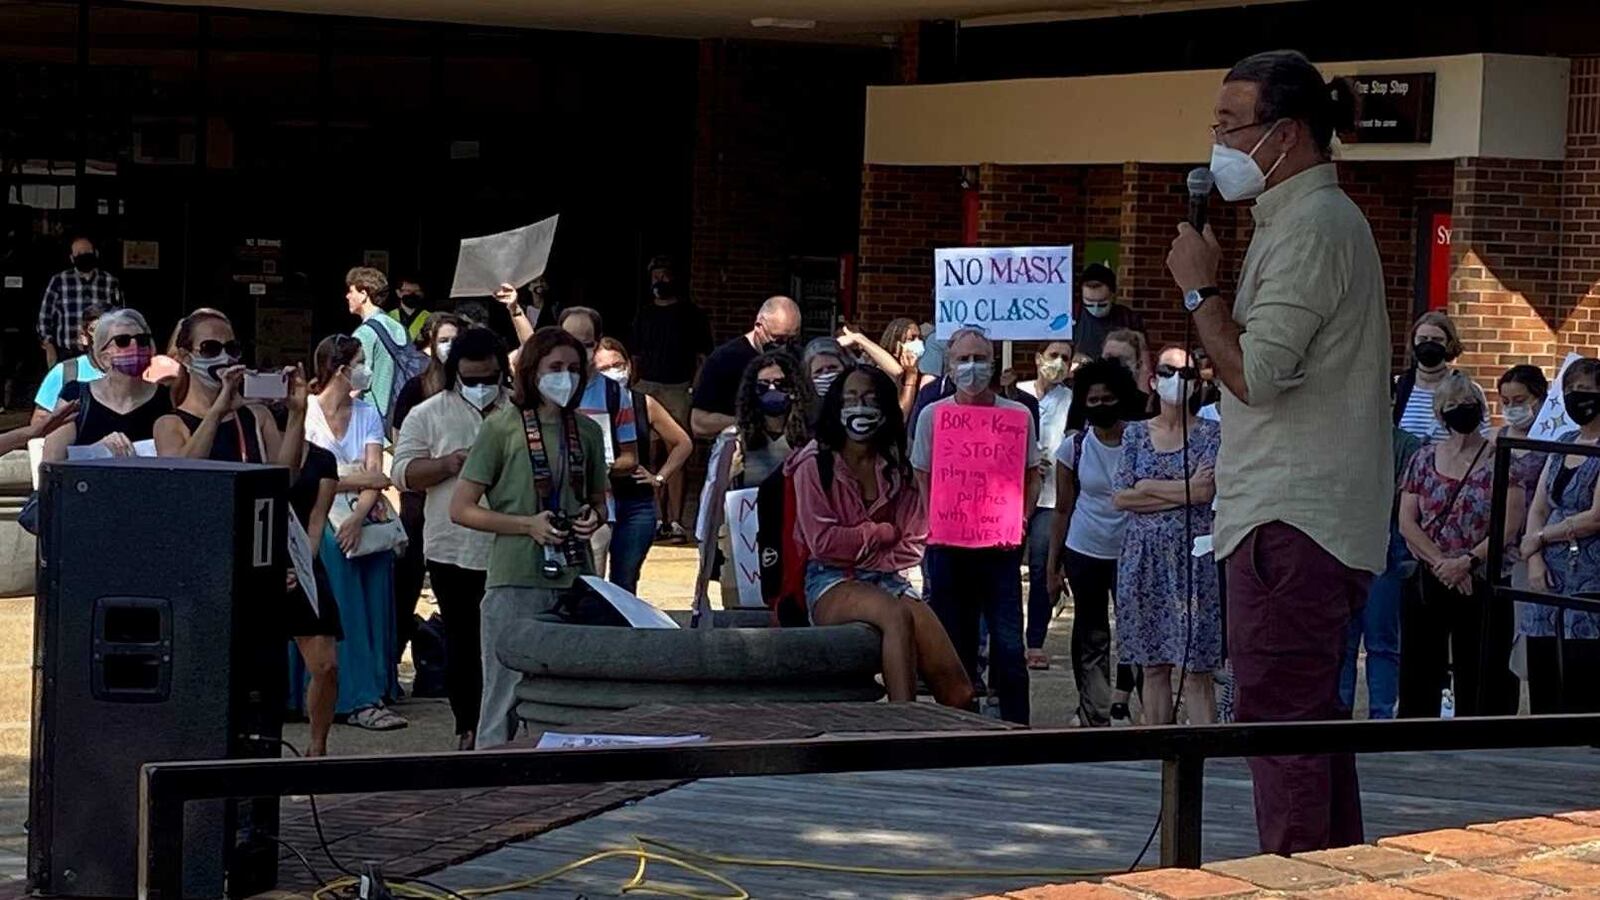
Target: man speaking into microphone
(1305,474)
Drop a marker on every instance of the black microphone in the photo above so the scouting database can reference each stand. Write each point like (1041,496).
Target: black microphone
(1200,184)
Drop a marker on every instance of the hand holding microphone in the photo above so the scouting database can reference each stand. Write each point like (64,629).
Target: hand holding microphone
(1195,254)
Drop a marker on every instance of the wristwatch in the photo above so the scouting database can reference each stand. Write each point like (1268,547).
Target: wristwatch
(1195,298)
(660,481)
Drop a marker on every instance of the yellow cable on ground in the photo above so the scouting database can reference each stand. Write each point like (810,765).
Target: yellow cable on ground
(639,885)
(806,865)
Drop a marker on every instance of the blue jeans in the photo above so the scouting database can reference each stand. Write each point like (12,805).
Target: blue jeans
(1379,624)
(964,585)
(631,536)
(1040,603)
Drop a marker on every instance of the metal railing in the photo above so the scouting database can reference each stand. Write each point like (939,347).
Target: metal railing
(164,788)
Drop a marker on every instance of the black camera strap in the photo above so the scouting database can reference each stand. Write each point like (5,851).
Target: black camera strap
(544,483)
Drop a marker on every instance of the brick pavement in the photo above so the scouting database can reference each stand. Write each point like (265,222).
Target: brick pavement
(1521,859)
(418,832)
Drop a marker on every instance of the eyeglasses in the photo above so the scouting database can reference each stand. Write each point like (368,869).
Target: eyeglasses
(777,384)
(218,348)
(123,340)
(479,380)
(1218,132)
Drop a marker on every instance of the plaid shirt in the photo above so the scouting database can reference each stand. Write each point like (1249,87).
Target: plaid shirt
(68,296)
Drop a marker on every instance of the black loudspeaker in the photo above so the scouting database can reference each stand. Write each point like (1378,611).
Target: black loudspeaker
(158,636)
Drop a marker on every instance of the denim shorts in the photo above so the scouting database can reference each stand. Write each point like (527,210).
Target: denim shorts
(821,577)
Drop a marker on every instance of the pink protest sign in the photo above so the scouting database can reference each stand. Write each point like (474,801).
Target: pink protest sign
(979,457)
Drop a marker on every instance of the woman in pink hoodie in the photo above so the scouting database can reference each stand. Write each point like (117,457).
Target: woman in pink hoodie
(863,522)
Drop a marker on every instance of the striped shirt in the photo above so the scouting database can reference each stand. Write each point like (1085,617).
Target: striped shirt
(67,297)
(1418,419)
(1313,447)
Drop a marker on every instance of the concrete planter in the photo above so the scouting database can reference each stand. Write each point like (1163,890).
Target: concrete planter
(573,672)
(17,547)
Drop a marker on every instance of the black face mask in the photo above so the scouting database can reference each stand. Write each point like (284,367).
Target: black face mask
(1430,354)
(1582,406)
(86,262)
(788,345)
(1464,419)
(664,290)
(1103,416)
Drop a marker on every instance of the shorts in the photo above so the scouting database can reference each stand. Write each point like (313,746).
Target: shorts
(674,398)
(821,577)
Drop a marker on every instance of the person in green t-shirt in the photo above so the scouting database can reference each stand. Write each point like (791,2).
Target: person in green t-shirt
(541,524)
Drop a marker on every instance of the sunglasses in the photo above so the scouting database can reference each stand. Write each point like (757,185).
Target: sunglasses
(124,340)
(779,384)
(218,348)
(479,380)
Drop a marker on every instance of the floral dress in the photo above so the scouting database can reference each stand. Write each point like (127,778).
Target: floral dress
(1153,614)
(1574,569)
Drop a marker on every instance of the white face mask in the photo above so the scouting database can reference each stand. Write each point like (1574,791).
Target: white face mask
(206,369)
(1238,175)
(481,396)
(360,377)
(914,347)
(441,351)
(1519,416)
(973,377)
(558,387)
(1170,389)
(619,374)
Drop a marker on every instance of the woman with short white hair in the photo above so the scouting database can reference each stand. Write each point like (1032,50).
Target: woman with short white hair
(1454,635)
(121,409)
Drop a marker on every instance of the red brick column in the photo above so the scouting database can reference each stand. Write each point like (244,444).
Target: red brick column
(906,212)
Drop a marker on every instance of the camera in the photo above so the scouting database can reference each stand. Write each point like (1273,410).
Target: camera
(572,551)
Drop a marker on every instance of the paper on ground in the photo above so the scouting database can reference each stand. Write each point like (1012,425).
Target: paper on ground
(638,613)
(98,451)
(556,740)
(513,257)
(300,558)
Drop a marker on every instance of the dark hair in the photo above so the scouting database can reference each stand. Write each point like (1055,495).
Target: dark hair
(473,312)
(433,378)
(747,409)
(1290,87)
(1115,376)
(411,278)
(593,316)
(889,441)
(1587,367)
(336,350)
(894,335)
(661,261)
(1530,377)
(475,344)
(525,381)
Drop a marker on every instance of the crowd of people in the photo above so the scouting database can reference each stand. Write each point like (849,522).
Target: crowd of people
(524,461)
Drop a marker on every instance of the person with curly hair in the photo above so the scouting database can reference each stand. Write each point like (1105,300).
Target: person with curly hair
(772,415)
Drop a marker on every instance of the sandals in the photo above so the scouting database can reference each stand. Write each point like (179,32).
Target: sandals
(377,718)
(1038,660)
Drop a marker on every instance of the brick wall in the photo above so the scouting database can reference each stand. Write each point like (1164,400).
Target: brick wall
(777,167)
(1505,253)
(1388,193)
(906,211)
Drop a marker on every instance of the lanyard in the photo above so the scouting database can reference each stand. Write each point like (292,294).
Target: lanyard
(544,484)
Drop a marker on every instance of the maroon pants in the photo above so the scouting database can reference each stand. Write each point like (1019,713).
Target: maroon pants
(1289,605)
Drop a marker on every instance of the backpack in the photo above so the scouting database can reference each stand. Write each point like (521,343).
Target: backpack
(409,362)
(430,656)
(783,556)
